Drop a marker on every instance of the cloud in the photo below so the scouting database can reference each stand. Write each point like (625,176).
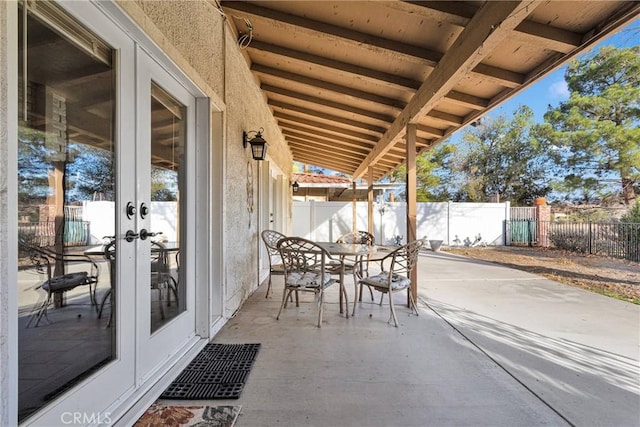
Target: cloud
(559,90)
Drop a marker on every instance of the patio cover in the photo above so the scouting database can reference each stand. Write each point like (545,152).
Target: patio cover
(345,78)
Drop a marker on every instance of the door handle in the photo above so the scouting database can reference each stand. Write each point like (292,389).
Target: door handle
(130,236)
(144,234)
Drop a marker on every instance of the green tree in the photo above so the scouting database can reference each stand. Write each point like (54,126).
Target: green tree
(432,170)
(501,157)
(595,133)
(633,215)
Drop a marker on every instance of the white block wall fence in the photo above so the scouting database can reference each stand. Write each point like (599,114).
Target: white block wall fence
(453,223)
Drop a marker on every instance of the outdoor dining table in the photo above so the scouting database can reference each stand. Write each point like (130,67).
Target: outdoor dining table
(342,250)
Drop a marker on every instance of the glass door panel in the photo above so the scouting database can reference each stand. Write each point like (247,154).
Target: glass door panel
(66,204)
(167,146)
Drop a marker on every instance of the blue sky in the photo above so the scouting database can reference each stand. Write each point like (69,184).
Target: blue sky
(552,89)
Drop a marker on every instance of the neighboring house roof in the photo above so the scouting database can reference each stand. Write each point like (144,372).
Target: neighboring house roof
(338,188)
(316,178)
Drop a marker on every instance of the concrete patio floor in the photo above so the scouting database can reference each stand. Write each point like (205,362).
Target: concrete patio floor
(492,347)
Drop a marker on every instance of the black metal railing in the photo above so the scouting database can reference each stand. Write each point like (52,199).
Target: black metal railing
(616,240)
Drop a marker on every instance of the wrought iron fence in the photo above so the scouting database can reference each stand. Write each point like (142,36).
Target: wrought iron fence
(617,240)
(43,233)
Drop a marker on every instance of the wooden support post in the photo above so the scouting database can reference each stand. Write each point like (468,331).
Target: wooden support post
(354,207)
(370,201)
(411,199)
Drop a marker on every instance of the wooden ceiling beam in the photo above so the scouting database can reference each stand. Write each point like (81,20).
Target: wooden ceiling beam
(391,80)
(450,119)
(324,126)
(355,147)
(385,119)
(387,79)
(316,83)
(489,26)
(368,144)
(466,100)
(459,14)
(334,151)
(438,133)
(304,157)
(325,116)
(346,149)
(323,152)
(390,49)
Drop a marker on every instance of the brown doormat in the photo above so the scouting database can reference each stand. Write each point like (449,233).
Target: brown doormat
(160,414)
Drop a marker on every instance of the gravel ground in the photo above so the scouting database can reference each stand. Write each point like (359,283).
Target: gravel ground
(612,277)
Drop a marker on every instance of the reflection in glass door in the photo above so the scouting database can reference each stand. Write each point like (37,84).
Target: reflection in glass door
(167,176)
(66,204)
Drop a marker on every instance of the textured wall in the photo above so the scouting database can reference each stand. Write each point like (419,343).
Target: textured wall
(194,28)
(195,36)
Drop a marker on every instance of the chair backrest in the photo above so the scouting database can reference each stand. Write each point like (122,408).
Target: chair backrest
(357,237)
(405,257)
(271,239)
(302,255)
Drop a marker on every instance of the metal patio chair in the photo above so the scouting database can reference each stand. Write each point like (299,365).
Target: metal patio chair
(271,239)
(393,276)
(306,269)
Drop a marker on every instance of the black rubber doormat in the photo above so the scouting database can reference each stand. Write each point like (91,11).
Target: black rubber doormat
(219,371)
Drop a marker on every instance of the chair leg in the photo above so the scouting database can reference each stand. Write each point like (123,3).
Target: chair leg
(268,286)
(393,311)
(160,298)
(320,298)
(104,300)
(42,311)
(172,286)
(285,294)
(413,307)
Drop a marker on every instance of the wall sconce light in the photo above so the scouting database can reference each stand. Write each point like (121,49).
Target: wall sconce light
(258,144)
(295,186)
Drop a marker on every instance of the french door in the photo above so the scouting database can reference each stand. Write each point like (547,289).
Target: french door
(106,163)
(165,312)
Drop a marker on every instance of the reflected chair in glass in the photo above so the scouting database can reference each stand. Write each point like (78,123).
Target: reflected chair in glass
(45,260)
(306,269)
(393,275)
(161,278)
(110,256)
